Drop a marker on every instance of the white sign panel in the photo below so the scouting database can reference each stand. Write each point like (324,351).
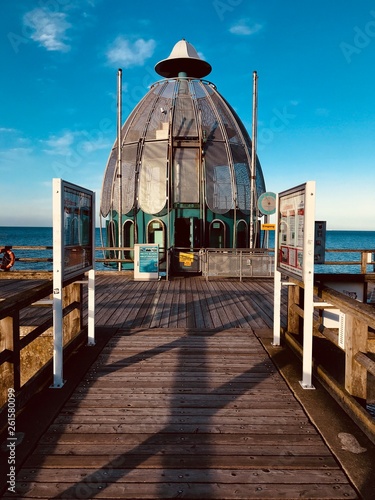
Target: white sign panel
(73,255)
(73,227)
(295,230)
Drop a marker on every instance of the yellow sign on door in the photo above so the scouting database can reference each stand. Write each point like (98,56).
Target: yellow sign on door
(268,227)
(186,259)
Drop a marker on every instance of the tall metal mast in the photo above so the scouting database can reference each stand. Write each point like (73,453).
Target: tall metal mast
(119,162)
(253,160)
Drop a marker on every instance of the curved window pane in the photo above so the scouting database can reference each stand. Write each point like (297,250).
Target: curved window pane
(243,187)
(128,239)
(186,175)
(108,183)
(153,178)
(219,192)
(184,120)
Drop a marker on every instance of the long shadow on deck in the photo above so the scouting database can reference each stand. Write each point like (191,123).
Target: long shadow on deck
(157,451)
(195,440)
(132,459)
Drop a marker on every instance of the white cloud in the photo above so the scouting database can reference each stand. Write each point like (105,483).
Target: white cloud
(48,28)
(60,145)
(92,146)
(75,143)
(8,130)
(14,153)
(245,27)
(126,54)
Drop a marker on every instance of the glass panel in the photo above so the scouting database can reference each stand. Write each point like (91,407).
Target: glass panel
(111,239)
(209,121)
(108,182)
(158,126)
(128,239)
(219,193)
(227,118)
(242,177)
(129,162)
(156,234)
(184,121)
(186,176)
(153,178)
(135,125)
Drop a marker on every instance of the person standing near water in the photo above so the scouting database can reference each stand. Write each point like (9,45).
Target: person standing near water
(8,258)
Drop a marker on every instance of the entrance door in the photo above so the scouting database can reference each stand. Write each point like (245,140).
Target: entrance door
(187,232)
(182,233)
(156,234)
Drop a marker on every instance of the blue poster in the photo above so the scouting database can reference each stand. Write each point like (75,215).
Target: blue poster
(148,259)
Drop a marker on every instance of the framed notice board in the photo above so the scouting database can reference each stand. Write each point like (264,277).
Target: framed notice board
(146,261)
(296,227)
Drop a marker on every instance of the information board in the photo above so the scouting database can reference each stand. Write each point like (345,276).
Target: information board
(296,230)
(295,234)
(146,261)
(73,215)
(73,228)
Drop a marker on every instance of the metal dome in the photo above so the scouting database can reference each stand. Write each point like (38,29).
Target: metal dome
(185,154)
(183,113)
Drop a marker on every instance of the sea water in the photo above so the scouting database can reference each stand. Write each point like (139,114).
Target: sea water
(343,240)
(37,237)
(42,236)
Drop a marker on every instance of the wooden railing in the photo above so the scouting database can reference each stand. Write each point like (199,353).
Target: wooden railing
(353,341)
(26,351)
(366,260)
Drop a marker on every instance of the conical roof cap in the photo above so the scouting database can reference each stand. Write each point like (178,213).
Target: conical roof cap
(183,59)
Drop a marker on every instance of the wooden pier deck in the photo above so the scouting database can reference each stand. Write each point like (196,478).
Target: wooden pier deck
(182,402)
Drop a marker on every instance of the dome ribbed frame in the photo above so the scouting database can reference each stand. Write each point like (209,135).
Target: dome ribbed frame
(188,111)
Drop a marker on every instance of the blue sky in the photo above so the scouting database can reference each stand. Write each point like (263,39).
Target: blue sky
(315,62)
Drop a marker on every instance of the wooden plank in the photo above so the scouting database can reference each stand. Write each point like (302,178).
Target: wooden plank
(153,460)
(223,476)
(98,487)
(196,411)
(191,413)
(134,307)
(109,297)
(238,313)
(167,315)
(220,301)
(244,300)
(188,439)
(200,292)
(155,320)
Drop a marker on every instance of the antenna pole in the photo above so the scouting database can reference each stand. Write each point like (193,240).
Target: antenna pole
(119,162)
(253,160)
